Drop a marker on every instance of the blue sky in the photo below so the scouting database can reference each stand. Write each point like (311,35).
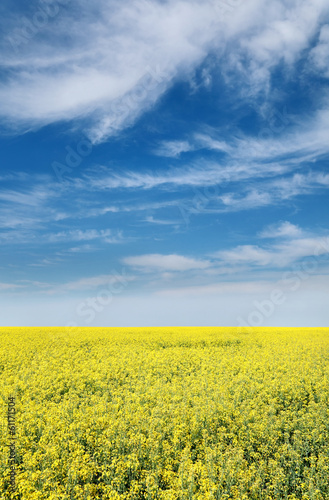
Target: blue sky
(164,163)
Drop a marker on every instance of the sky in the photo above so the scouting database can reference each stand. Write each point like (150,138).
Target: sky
(164,163)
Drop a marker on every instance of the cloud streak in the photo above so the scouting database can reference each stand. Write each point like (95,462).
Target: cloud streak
(280,255)
(88,235)
(157,262)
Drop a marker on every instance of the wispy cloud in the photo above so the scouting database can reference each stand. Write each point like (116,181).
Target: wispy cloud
(47,262)
(33,198)
(278,255)
(319,55)
(94,282)
(115,66)
(91,234)
(173,149)
(89,284)
(172,262)
(282,230)
(275,191)
(201,173)
(160,222)
(228,268)
(117,63)
(32,203)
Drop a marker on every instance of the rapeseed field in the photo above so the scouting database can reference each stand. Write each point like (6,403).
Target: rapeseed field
(166,413)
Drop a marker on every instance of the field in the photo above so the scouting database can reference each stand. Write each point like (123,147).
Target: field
(166,413)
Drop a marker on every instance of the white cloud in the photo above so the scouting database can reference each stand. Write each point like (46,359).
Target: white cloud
(152,220)
(157,262)
(202,173)
(86,235)
(94,282)
(282,139)
(281,31)
(254,198)
(320,54)
(173,149)
(110,281)
(302,141)
(80,249)
(282,230)
(214,144)
(198,141)
(96,212)
(288,187)
(115,65)
(33,198)
(242,254)
(274,191)
(278,255)
(47,262)
(121,56)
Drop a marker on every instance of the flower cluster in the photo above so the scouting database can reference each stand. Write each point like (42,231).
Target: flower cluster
(166,413)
